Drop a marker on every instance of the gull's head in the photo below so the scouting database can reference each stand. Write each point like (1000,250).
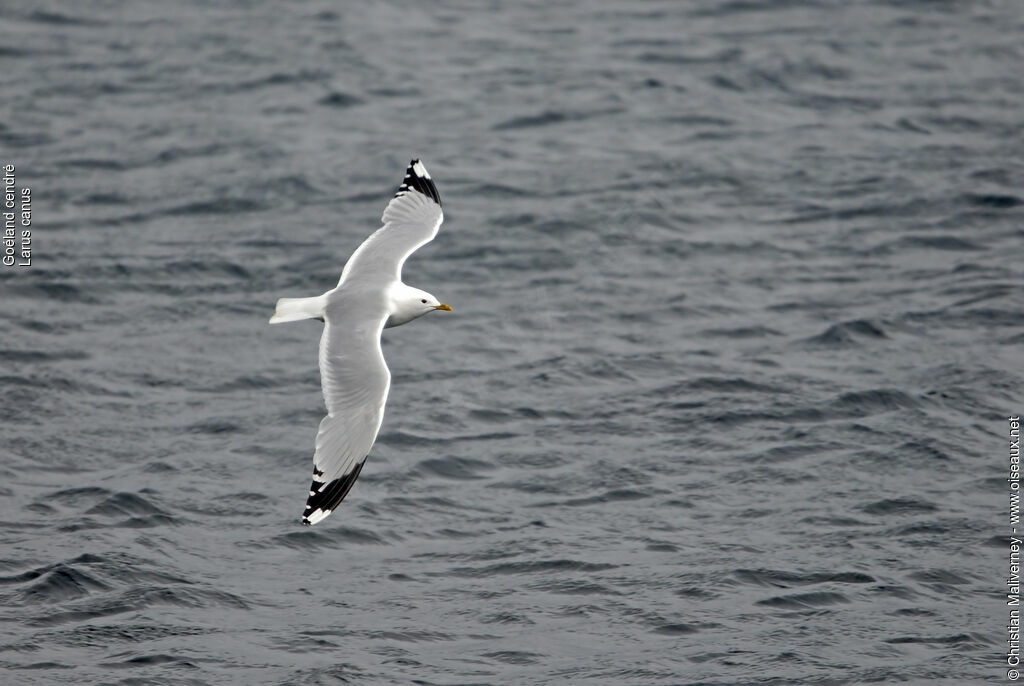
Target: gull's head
(425,302)
(412,303)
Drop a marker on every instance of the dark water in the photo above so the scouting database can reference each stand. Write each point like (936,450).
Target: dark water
(738,305)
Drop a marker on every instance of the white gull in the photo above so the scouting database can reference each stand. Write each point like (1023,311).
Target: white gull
(369,298)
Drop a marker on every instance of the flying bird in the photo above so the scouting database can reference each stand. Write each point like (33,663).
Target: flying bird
(369,298)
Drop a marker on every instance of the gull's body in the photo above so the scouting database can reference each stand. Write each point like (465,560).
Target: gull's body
(369,297)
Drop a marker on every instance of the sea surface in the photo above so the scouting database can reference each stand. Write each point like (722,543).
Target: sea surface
(737,327)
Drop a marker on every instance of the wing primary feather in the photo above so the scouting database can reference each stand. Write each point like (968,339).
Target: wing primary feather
(328,497)
(418,179)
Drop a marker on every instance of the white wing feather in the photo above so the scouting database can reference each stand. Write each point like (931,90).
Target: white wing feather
(355,382)
(411,220)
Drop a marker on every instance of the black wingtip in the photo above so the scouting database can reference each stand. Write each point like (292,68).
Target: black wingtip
(418,179)
(326,498)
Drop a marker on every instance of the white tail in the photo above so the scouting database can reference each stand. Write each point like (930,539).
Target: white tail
(294,309)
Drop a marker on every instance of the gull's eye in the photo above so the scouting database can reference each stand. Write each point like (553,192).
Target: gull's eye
(423,301)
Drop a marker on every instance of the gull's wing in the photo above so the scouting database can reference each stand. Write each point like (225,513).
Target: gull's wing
(410,220)
(355,382)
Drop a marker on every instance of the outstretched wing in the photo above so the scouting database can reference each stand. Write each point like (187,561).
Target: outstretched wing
(355,383)
(410,220)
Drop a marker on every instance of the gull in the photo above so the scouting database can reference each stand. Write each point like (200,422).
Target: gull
(369,298)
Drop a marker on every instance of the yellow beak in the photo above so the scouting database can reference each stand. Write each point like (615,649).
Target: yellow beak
(442,306)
